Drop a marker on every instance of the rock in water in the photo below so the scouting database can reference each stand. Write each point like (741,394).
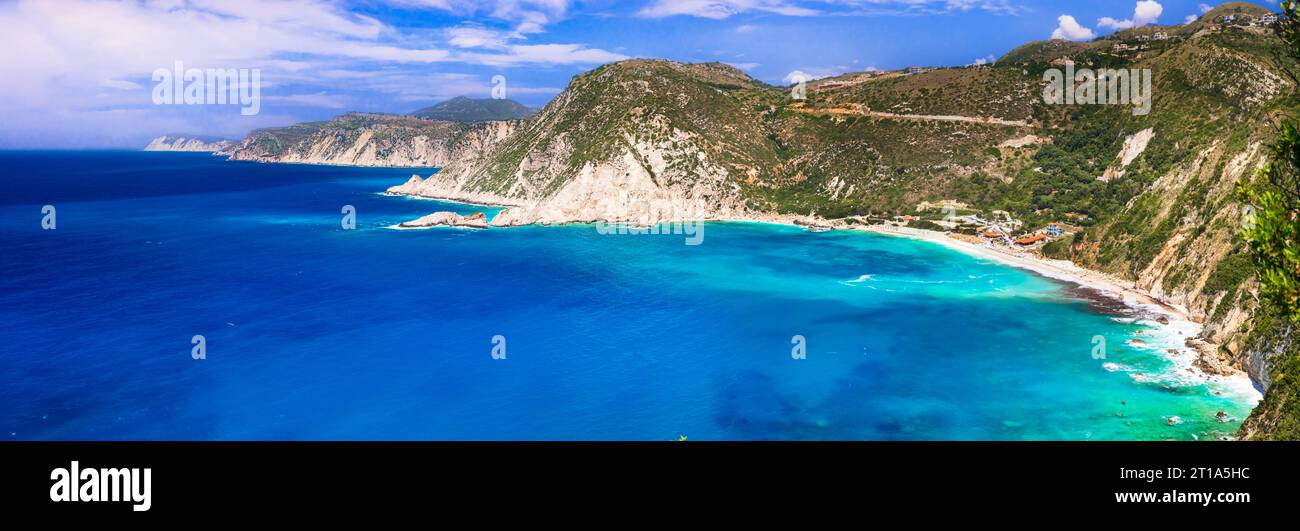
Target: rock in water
(477,220)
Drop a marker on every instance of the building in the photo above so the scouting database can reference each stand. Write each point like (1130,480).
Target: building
(1268,20)
(1031,240)
(1229,19)
(915,69)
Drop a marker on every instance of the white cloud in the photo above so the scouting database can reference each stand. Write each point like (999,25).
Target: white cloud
(799,76)
(988,59)
(1004,7)
(555,54)
(807,74)
(478,37)
(720,9)
(317,99)
(529,16)
(1068,28)
(85,65)
(1145,13)
(1204,8)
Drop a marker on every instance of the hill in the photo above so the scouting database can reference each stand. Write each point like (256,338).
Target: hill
(363,139)
(462,109)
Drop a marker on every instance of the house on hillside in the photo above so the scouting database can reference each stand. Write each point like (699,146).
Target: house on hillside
(915,69)
(1268,20)
(1031,240)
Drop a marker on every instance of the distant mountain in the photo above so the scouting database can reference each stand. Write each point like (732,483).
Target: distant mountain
(189,143)
(464,109)
(460,128)
(367,139)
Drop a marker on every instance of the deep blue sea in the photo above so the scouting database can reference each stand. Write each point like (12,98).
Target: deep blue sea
(315,332)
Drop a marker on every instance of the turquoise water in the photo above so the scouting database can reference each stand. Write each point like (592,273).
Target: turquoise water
(314,332)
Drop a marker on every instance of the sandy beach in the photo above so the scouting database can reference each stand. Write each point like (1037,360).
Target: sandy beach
(1170,320)
(1176,326)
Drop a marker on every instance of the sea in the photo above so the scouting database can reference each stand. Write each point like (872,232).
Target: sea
(180,296)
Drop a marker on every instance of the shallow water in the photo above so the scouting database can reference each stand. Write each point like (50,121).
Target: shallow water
(314,332)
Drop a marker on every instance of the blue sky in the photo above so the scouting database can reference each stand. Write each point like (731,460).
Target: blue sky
(77,73)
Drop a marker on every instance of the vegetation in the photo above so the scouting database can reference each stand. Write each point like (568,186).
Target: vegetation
(464,109)
(1272,232)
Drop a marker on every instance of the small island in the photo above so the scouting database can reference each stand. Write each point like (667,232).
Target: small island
(477,220)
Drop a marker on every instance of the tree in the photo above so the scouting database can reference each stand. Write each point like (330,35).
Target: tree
(1272,220)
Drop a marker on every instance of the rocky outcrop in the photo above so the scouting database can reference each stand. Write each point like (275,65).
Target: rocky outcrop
(1272,350)
(1134,145)
(621,190)
(477,220)
(188,143)
(612,148)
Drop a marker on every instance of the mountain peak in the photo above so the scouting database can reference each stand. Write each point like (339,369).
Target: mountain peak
(464,109)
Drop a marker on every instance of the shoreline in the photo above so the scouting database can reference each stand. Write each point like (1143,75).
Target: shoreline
(446,200)
(1177,324)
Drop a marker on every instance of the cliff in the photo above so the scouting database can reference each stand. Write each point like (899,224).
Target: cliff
(188,143)
(359,139)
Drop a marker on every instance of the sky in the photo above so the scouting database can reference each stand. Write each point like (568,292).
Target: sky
(81,73)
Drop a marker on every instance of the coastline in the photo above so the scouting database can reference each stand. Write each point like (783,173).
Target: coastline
(1177,328)
(1171,322)
(446,200)
(1061,270)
